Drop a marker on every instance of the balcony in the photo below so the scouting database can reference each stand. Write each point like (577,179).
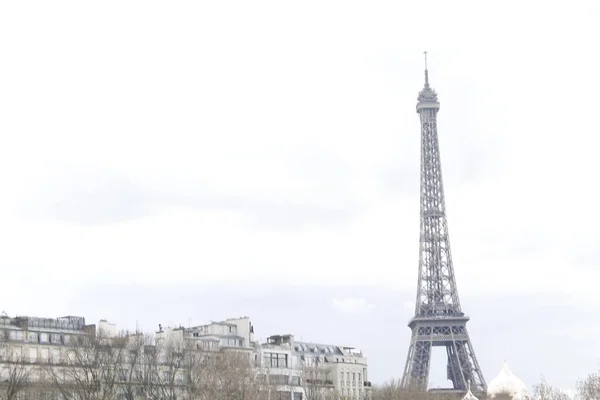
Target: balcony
(319,382)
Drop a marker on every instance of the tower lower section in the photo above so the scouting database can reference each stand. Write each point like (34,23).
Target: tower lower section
(451,333)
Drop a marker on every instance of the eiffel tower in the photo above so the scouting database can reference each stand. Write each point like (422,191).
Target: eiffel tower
(438,320)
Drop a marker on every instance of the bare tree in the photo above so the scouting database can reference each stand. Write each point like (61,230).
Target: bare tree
(317,382)
(89,370)
(231,375)
(390,390)
(197,364)
(14,372)
(544,391)
(128,371)
(393,390)
(589,388)
(157,373)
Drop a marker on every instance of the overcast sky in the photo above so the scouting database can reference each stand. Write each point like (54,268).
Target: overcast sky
(241,145)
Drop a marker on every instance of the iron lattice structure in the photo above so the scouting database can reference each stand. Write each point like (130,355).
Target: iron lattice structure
(438,319)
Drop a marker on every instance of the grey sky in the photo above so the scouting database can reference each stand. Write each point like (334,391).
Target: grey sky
(210,143)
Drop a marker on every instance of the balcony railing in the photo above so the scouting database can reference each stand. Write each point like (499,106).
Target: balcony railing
(320,382)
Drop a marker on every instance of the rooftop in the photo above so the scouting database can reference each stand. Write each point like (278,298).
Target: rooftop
(25,322)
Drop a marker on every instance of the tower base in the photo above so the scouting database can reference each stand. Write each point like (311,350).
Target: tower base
(451,333)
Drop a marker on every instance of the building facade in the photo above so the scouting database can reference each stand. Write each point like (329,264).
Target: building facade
(298,370)
(234,333)
(48,356)
(319,370)
(30,347)
(42,340)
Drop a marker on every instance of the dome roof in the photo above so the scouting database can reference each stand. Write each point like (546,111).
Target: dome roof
(521,396)
(506,383)
(469,395)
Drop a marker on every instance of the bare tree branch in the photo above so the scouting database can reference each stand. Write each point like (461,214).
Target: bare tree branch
(14,373)
(589,388)
(544,391)
(89,370)
(317,382)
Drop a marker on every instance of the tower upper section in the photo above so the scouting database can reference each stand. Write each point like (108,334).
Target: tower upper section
(427,97)
(437,294)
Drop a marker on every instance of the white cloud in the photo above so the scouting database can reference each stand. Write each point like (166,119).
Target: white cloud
(352,305)
(271,153)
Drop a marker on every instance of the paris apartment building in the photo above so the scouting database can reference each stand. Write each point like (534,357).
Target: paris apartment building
(36,348)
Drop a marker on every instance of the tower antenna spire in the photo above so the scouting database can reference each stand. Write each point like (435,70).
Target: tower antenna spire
(426,72)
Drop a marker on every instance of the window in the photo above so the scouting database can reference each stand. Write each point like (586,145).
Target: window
(15,335)
(295,380)
(32,355)
(16,355)
(44,355)
(276,360)
(359,377)
(55,356)
(282,395)
(297,396)
(231,342)
(32,337)
(44,338)
(278,379)
(354,376)
(55,338)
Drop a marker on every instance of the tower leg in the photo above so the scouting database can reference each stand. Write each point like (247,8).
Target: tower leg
(416,371)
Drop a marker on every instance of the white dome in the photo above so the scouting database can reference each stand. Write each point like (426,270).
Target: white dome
(506,383)
(469,395)
(521,396)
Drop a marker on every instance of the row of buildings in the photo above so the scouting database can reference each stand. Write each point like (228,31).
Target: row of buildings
(294,369)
